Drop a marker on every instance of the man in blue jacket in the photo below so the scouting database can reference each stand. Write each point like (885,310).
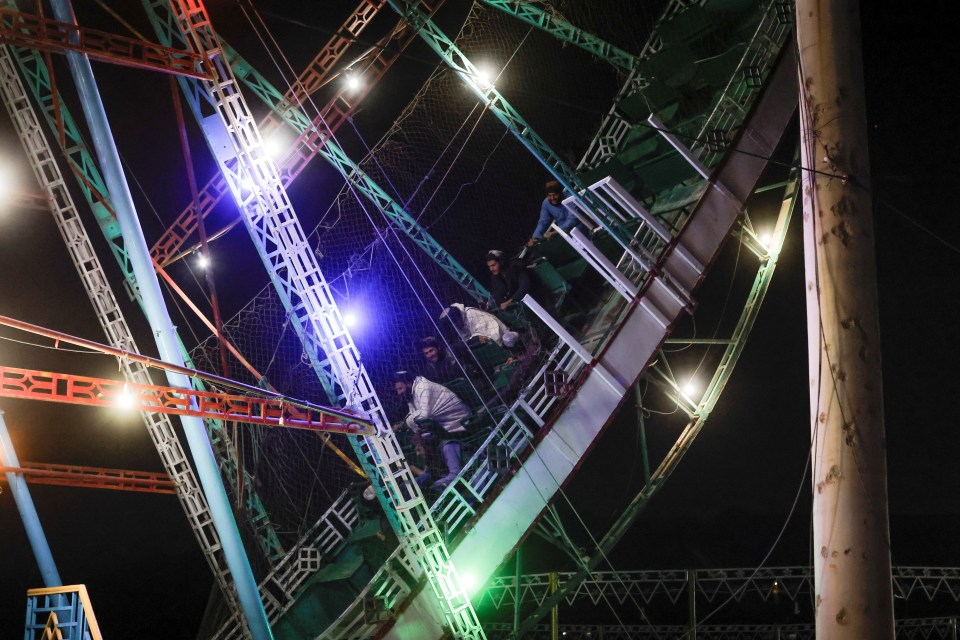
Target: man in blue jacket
(552,211)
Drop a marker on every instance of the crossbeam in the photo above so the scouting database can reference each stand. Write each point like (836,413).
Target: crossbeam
(344,415)
(28,384)
(38,32)
(94,477)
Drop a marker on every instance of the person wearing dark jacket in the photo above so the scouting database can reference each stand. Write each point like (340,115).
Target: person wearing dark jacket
(508,282)
(439,367)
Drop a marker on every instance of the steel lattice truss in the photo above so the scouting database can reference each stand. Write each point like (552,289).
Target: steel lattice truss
(714,585)
(909,629)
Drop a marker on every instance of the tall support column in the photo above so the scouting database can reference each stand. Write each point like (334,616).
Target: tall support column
(851,534)
(28,512)
(163,330)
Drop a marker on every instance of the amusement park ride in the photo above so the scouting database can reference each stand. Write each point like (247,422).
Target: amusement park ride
(664,183)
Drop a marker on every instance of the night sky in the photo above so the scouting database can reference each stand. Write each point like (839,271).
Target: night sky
(723,507)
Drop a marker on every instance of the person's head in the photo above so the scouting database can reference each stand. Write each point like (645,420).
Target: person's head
(554,192)
(430,349)
(495,259)
(403,384)
(418,446)
(454,314)
(511,340)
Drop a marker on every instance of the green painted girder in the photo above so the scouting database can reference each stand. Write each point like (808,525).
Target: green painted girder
(358,179)
(34,71)
(563,30)
(511,118)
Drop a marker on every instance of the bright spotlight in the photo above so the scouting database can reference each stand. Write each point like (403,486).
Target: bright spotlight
(125,400)
(276,145)
(203,261)
(765,238)
(691,388)
(468,581)
(485,77)
(353,82)
(350,319)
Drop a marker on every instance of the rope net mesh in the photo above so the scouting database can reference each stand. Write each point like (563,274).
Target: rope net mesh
(466,180)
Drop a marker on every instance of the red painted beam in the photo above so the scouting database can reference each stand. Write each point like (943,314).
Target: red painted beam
(345,416)
(99,392)
(94,477)
(36,32)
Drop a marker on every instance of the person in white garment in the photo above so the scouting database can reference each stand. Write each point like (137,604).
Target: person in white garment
(431,401)
(474,323)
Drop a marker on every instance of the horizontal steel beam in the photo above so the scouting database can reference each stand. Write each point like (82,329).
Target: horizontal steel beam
(94,477)
(37,32)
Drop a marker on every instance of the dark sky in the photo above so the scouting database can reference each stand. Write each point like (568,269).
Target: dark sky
(725,504)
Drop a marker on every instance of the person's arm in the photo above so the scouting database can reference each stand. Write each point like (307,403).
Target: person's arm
(420,407)
(523,284)
(543,223)
(415,470)
(411,419)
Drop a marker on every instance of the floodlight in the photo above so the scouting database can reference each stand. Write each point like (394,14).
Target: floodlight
(468,581)
(125,400)
(276,144)
(486,76)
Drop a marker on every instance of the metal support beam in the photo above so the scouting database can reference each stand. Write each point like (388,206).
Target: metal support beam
(27,384)
(28,512)
(281,243)
(94,281)
(317,137)
(163,330)
(37,32)
(566,32)
(66,475)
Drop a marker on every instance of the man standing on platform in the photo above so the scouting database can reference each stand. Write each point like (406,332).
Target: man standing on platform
(552,211)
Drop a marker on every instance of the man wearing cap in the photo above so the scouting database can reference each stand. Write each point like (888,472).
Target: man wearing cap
(428,401)
(552,211)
